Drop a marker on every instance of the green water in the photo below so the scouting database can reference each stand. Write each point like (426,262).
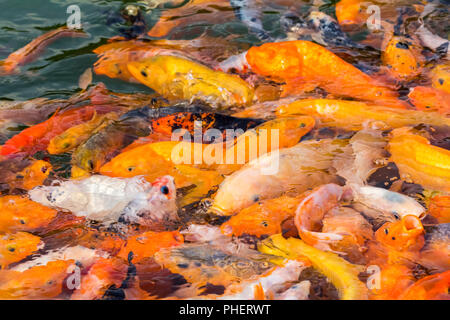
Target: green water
(55,73)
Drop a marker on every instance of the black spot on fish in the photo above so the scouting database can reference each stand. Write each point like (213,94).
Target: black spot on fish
(402,45)
(183,265)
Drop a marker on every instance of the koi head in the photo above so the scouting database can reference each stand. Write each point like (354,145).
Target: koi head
(406,234)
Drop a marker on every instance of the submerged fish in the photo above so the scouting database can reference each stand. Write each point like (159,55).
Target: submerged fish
(296,169)
(434,287)
(353,115)
(419,161)
(74,136)
(439,207)
(17,246)
(108,200)
(202,263)
(430,99)
(341,273)
(21,214)
(32,49)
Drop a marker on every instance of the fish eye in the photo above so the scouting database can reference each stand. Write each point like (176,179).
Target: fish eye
(386,231)
(164,190)
(144,73)
(130,169)
(265,224)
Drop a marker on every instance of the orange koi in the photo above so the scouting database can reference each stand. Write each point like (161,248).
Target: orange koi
(419,161)
(103,274)
(439,207)
(394,279)
(32,49)
(440,77)
(350,12)
(17,246)
(35,174)
(262,218)
(35,283)
(434,287)
(200,10)
(430,99)
(304,65)
(322,224)
(402,239)
(403,58)
(21,214)
(145,245)
(37,137)
(352,115)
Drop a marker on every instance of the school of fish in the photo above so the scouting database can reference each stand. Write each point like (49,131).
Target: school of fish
(254,171)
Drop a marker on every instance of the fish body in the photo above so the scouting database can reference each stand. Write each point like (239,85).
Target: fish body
(439,207)
(247,11)
(430,99)
(404,235)
(32,49)
(353,115)
(178,78)
(304,65)
(440,77)
(403,58)
(37,137)
(436,252)
(202,263)
(434,287)
(262,218)
(34,283)
(21,214)
(341,273)
(420,161)
(349,13)
(17,246)
(107,199)
(296,169)
(76,135)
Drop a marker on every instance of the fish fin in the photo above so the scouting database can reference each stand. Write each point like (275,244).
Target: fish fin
(259,292)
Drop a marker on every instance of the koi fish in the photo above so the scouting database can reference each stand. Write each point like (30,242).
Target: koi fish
(178,78)
(32,176)
(403,239)
(104,273)
(76,135)
(350,13)
(106,199)
(21,214)
(434,287)
(352,115)
(199,182)
(321,224)
(341,273)
(430,99)
(146,244)
(37,137)
(247,12)
(17,246)
(436,252)
(32,49)
(440,77)
(403,58)
(439,207)
(419,161)
(199,11)
(361,157)
(294,169)
(393,281)
(262,218)
(304,65)
(271,283)
(200,264)
(34,283)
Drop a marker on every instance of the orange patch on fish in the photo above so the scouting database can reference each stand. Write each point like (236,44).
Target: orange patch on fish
(21,214)
(17,246)
(145,245)
(430,99)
